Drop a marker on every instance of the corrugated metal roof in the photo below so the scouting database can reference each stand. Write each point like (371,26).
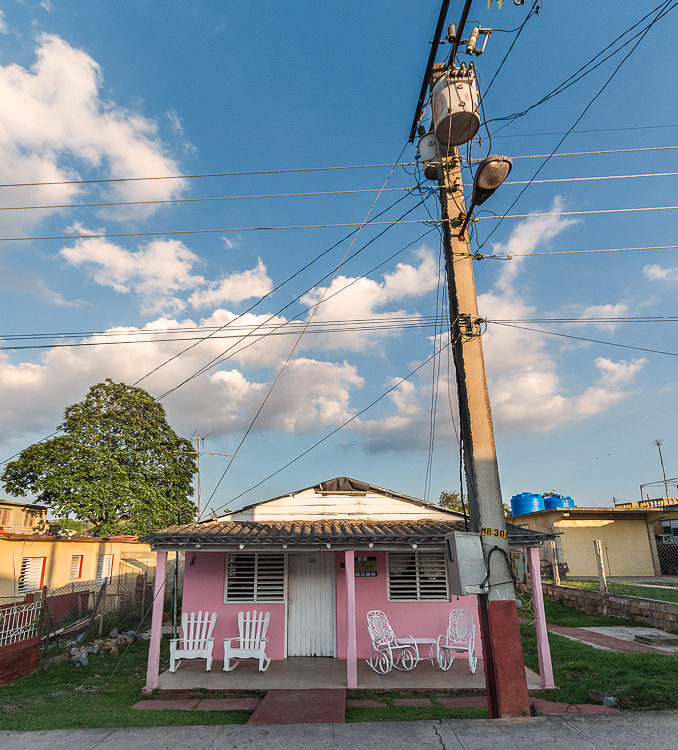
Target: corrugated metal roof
(258,533)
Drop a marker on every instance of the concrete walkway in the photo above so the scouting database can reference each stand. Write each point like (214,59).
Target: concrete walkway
(593,637)
(625,731)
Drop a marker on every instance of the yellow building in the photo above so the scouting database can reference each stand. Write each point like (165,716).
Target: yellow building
(22,518)
(627,537)
(29,562)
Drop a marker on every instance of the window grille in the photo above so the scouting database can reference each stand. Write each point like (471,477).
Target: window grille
(417,576)
(5,516)
(255,577)
(30,578)
(104,569)
(76,567)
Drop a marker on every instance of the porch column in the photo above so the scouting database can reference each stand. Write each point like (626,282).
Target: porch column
(543,648)
(156,623)
(351,658)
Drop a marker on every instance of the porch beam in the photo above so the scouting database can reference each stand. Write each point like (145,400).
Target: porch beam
(156,623)
(543,647)
(351,648)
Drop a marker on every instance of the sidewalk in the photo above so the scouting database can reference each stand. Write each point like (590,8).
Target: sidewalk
(625,731)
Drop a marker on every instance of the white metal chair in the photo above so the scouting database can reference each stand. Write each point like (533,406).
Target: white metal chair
(196,640)
(252,627)
(387,650)
(461,637)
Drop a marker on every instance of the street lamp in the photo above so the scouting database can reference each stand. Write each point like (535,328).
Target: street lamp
(491,172)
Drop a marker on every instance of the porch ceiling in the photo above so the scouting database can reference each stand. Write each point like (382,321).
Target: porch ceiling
(330,531)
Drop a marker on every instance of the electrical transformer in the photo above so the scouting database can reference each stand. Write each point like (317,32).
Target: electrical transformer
(454,104)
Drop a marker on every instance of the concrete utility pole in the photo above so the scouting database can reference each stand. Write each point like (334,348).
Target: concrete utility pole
(658,443)
(502,648)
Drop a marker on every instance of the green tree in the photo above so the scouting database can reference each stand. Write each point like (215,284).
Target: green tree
(116,463)
(451,500)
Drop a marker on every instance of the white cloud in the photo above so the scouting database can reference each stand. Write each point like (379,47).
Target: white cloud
(655,272)
(351,298)
(526,388)
(55,122)
(311,394)
(234,288)
(156,272)
(3,24)
(617,310)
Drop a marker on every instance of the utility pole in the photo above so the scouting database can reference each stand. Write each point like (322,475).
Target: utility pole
(502,647)
(658,443)
(200,439)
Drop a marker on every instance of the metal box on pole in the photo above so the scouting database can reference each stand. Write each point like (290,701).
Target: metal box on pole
(465,563)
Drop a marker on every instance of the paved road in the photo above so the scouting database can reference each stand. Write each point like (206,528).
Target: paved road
(652,729)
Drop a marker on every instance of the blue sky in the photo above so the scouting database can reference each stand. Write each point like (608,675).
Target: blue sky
(96,91)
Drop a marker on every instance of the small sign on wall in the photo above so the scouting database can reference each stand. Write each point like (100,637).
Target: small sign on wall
(365,567)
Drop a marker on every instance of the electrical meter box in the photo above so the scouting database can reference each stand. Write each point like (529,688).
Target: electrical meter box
(466,567)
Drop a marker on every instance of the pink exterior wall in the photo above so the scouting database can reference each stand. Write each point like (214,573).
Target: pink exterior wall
(204,590)
(204,574)
(419,619)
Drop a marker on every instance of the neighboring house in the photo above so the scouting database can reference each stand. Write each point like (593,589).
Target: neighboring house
(292,556)
(627,538)
(665,527)
(22,518)
(63,564)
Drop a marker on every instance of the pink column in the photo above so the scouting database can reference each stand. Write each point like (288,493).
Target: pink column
(543,648)
(351,658)
(156,623)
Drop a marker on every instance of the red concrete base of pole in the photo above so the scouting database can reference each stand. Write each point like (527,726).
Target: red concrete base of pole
(505,679)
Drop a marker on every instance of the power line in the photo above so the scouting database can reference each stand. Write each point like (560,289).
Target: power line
(590,130)
(576,252)
(279,286)
(596,152)
(208,199)
(336,429)
(109,204)
(303,331)
(575,213)
(582,338)
(103,235)
(576,122)
(207,174)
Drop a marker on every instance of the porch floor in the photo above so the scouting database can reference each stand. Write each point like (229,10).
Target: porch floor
(301,672)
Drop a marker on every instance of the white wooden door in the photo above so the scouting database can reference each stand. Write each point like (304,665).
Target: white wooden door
(311,605)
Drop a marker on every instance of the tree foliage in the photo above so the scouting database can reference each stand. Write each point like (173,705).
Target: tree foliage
(116,463)
(451,500)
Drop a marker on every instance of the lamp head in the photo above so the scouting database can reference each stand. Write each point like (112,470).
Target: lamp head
(490,174)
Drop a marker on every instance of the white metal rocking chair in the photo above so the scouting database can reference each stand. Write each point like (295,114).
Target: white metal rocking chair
(196,640)
(252,627)
(460,636)
(387,650)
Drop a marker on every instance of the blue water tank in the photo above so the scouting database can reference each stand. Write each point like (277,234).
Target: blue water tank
(526,502)
(558,501)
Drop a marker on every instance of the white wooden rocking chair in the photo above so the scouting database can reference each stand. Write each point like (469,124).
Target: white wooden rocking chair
(196,640)
(460,636)
(387,650)
(252,627)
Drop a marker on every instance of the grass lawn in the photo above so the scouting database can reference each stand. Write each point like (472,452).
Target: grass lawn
(629,589)
(65,697)
(409,713)
(643,681)
(561,614)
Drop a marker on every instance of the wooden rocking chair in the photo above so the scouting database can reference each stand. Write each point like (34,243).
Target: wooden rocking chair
(252,627)
(196,640)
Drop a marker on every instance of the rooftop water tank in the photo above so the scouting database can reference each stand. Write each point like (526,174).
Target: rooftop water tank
(526,502)
(558,501)
(454,104)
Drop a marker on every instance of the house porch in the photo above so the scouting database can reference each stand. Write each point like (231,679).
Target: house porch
(300,672)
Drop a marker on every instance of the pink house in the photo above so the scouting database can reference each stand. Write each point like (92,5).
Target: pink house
(318,559)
